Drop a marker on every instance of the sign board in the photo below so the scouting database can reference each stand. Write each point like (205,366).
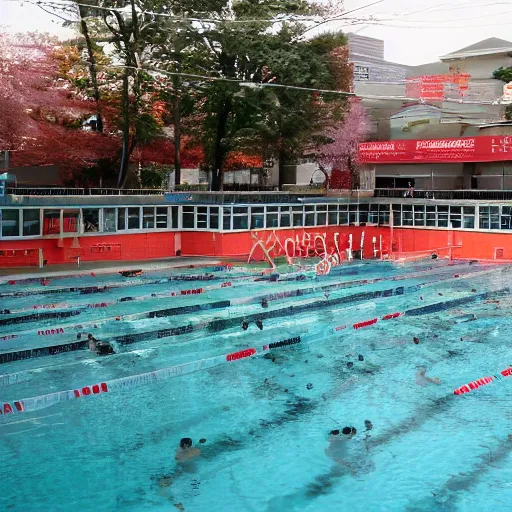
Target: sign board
(465,149)
(507,94)
(433,87)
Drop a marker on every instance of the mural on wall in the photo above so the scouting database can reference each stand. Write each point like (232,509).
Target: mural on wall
(331,249)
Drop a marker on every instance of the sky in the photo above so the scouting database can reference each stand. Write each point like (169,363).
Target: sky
(414,31)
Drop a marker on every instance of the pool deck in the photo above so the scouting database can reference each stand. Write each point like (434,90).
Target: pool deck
(102,267)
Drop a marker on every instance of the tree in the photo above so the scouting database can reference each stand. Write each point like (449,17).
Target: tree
(340,148)
(505,75)
(281,122)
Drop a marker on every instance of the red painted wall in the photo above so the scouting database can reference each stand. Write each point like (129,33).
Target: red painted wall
(90,248)
(406,242)
(474,245)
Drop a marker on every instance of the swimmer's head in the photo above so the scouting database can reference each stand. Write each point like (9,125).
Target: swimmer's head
(368,424)
(346,431)
(416,340)
(89,336)
(186,442)
(335,432)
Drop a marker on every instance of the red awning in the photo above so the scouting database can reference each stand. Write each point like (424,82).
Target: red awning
(465,149)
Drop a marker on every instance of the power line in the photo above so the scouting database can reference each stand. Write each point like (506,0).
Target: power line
(255,85)
(278,19)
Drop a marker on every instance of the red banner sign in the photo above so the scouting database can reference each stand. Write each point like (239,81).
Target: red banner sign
(433,87)
(465,149)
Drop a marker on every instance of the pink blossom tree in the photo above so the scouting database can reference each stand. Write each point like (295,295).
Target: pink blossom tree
(339,155)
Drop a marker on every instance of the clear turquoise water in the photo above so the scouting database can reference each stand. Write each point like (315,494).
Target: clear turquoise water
(265,451)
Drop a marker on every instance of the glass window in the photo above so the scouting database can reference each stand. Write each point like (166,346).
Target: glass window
(148,217)
(495,217)
(373,216)
(407,218)
(455,216)
(506,217)
(484,217)
(419,215)
(70,221)
(91,218)
(226,219)
(240,217)
(384,214)
(321,214)
(202,217)
(121,219)
(442,216)
(214,217)
(333,215)
(109,220)
(309,218)
(363,213)
(431,216)
(257,218)
(175,217)
(285,216)
(133,218)
(469,217)
(31,222)
(188,217)
(51,222)
(352,214)
(297,215)
(10,222)
(397,215)
(161,217)
(343,220)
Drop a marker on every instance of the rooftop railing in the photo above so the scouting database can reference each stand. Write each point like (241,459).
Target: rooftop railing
(483,195)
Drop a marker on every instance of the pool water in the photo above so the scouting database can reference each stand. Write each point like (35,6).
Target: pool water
(266,418)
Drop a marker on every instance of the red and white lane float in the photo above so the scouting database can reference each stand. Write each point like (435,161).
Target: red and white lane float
(471,386)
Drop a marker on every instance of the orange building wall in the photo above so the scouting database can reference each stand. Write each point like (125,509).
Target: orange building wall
(89,248)
(126,247)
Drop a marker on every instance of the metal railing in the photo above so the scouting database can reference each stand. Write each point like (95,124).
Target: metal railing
(483,195)
(62,191)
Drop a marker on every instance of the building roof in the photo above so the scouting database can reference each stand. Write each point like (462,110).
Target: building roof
(432,68)
(491,46)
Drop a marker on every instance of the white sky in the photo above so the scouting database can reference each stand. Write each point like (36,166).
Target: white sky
(441,27)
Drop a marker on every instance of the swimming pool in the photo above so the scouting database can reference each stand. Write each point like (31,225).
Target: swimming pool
(265,439)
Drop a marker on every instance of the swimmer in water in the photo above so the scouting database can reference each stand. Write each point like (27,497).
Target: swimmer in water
(422,379)
(259,323)
(102,348)
(186,452)
(245,325)
(92,342)
(337,449)
(264,303)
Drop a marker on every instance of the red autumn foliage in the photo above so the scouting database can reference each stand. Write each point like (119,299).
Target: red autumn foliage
(236,161)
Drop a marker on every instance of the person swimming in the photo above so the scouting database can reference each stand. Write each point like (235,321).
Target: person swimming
(102,348)
(337,449)
(245,325)
(264,303)
(259,323)
(186,453)
(422,379)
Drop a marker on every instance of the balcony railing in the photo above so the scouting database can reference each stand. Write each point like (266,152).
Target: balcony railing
(483,195)
(61,191)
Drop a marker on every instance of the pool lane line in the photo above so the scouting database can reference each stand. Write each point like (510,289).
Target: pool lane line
(484,381)
(225,284)
(47,400)
(223,324)
(94,289)
(347,269)
(239,301)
